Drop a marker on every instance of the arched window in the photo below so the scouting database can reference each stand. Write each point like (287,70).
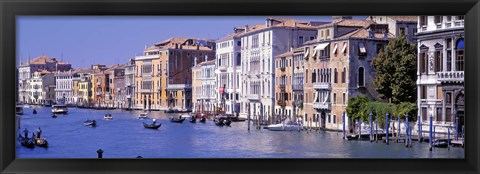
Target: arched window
(344,72)
(361,77)
(314,76)
(322,76)
(459,63)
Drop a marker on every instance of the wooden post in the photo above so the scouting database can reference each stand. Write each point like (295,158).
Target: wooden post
(386,135)
(343,124)
(376,132)
(430,137)
(398,131)
(100,153)
(371,128)
(406,131)
(448,138)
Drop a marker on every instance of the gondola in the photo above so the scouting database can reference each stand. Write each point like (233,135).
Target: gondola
(25,141)
(42,142)
(177,120)
(54,115)
(91,123)
(219,122)
(34,111)
(203,119)
(151,126)
(143,116)
(227,122)
(193,119)
(108,116)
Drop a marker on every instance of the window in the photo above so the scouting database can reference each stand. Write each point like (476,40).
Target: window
(344,75)
(321,33)
(439,114)
(423,20)
(423,62)
(448,98)
(334,98)
(361,77)
(424,114)
(335,49)
(311,37)
(334,119)
(300,40)
(423,93)
(344,99)
(460,17)
(438,19)
(327,33)
(335,76)
(379,48)
(460,57)
(329,118)
(402,31)
(362,50)
(239,43)
(344,49)
(449,54)
(438,61)
(449,18)
(239,59)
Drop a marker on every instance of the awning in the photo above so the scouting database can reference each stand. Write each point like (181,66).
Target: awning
(344,49)
(314,53)
(335,48)
(321,46)
(316,97)
(362,47)
(307,50)
(326,97)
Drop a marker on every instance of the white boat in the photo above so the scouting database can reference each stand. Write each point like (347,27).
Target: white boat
(143,115)
(19,110)
(288,126)
(59,109)
(108,116)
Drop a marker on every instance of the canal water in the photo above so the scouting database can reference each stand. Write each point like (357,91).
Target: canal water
(125,137)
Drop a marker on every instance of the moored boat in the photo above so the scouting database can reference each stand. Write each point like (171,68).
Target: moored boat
(288,125)
(193,119)
(59,109)
(34,111)
(19,110)
(143,116)
(440,143)
(203,119)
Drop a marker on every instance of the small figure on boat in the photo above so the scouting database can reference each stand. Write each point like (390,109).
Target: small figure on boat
(153,125)
(39,132)
(54,115)
(34,111)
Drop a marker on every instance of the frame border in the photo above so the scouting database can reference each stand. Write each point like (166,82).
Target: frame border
(9,9)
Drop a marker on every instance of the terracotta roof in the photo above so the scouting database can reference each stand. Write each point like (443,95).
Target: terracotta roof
(42,71)
(228,37)
(45,59)
(405,18)
(210,62)
(283,23)
(349,23)
(170,44)
(289,53)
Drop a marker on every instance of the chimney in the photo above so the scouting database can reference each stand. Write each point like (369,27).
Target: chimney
(176,46)
(195,61)
(206,58)
(246,28)
(181,46)
(198,47)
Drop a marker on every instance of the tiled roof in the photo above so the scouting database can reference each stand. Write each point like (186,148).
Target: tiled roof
(45,59)
(210,62)
(289,53)
(363,34)
(349,23)
(227,37)
(170,44)
(283,23)
(405,18)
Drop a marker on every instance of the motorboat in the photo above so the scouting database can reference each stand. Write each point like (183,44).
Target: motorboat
(108,116)
(440,143)
(19,110)
(152,126)
(287,126)
(59,109)
(91,123)
(143,116)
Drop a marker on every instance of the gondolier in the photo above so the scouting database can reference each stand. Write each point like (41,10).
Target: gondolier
(39,131)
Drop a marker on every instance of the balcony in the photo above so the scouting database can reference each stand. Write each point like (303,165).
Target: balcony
(98,93)
(451,76)
(253,97)
(178,86)
(222,68)
(146,57)
(322,105)
(322,85)
(282,68)
(282,87)
(281,102)
(298,87)
(146,90)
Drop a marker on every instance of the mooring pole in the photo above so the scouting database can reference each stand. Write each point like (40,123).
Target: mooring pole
(343,123)
(100,153)
(360,129)
(248,110)
(376,131)
(398,131)
(371,128)
(386,135)
(419,130)
(448,138)
(456,128)
(407,135)
(430,137)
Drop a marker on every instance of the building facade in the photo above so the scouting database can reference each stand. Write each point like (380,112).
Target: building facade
(26,70)
(203,86)
(441,67)
(164,77)
(130,77)
(228,71)
(259,46)
(40,83)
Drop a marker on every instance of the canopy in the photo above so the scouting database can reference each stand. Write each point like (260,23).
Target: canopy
(335,48)
(321,46)
(306,52)
(362,47)
(344,47)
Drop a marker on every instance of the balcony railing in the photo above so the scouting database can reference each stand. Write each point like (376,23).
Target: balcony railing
(322,85)
(98,93)
(322,105)
(282,87)
(253,97)
(298,87)
(451,76)
(146,90)
(179,86)
(222,68)
(281,102)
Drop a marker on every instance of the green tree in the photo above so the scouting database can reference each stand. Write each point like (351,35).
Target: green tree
(396,71)
(356,107)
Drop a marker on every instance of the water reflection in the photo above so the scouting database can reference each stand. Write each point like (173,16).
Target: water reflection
(125,137)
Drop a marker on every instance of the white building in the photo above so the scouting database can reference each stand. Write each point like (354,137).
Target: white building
(41,92)
(228,71)
(441,67)
(130,83)
(203,89)
(398,25)
(259,46)
(64,88)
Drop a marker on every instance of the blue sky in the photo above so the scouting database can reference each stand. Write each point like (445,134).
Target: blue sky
(86,40)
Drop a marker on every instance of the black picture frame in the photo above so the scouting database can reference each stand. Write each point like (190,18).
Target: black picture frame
(11,8)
